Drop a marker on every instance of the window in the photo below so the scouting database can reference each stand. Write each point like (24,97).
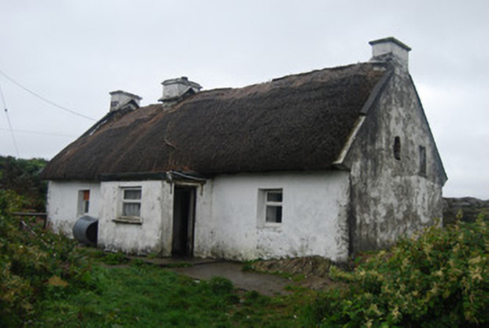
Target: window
(397,148)
(83,202)
(273,206)
(131,202)
(422,160)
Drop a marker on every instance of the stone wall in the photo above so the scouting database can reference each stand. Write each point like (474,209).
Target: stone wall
(466,208)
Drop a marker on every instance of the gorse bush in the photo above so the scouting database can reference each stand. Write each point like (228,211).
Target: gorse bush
(34,264)
(439,278)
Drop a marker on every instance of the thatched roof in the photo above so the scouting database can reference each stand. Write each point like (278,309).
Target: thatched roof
(298,122)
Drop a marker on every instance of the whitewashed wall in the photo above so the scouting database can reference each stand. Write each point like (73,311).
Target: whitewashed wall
(143,238)
(313,222)
(62,204)
(228,223)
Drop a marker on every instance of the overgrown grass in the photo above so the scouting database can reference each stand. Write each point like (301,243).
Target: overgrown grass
(143,296)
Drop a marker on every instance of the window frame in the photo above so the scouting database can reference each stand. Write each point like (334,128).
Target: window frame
(123,201)
(272,204)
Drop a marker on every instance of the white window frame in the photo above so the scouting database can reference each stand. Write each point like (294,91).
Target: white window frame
(266,204)
(130,218)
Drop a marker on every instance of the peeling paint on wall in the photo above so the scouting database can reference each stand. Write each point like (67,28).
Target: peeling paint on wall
(390,195)
(312,204)
(143,238)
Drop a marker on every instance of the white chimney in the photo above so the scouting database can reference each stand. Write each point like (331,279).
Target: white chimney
(175,89)
(391,48)
(120,99)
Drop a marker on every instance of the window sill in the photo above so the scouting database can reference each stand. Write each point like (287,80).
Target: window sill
(128,220)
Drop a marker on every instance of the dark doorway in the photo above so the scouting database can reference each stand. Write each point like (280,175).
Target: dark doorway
(183,221)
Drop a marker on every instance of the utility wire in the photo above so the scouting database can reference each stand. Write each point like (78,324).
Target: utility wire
(44,99)
(8,120)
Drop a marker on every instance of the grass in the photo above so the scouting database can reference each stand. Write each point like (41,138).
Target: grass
(437,279)
(143,295)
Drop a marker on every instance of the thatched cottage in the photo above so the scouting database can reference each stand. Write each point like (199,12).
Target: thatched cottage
(327,163)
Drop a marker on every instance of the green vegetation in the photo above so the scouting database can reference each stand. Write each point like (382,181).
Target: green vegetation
(438,279)
(34,264)
(143,296)
(23,177)
(46,280)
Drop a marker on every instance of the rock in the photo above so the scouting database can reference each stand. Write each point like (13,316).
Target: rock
(466,209)
(310,265)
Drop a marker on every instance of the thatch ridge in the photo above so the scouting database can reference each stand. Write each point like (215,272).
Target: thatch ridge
(297,122)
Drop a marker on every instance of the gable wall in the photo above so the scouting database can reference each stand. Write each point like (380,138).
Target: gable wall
(391,198)
(62,204)
(313,223)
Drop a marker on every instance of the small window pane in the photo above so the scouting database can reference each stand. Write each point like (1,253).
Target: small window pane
(274,196)
(132,194)
(131,209)
(274,214)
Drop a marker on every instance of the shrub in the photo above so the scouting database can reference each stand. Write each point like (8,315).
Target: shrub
(34,264)
(439,279)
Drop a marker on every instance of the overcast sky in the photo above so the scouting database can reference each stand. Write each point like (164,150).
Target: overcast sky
(73,53)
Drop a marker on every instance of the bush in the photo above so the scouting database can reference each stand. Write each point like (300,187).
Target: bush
(34,264)
(23,177)
(438,279)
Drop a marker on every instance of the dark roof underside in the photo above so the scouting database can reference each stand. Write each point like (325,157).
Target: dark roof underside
(298,122)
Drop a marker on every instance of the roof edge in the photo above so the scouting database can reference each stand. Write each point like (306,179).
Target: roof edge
(372,99)
(379,87)
(339,163)
(439,160)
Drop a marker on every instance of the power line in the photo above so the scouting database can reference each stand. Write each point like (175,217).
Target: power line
(8,120)
(44,99)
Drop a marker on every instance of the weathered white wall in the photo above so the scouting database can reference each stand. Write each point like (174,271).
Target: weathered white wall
(390,197)
(143,238)
(313,222)
(228,223)
(62,204)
